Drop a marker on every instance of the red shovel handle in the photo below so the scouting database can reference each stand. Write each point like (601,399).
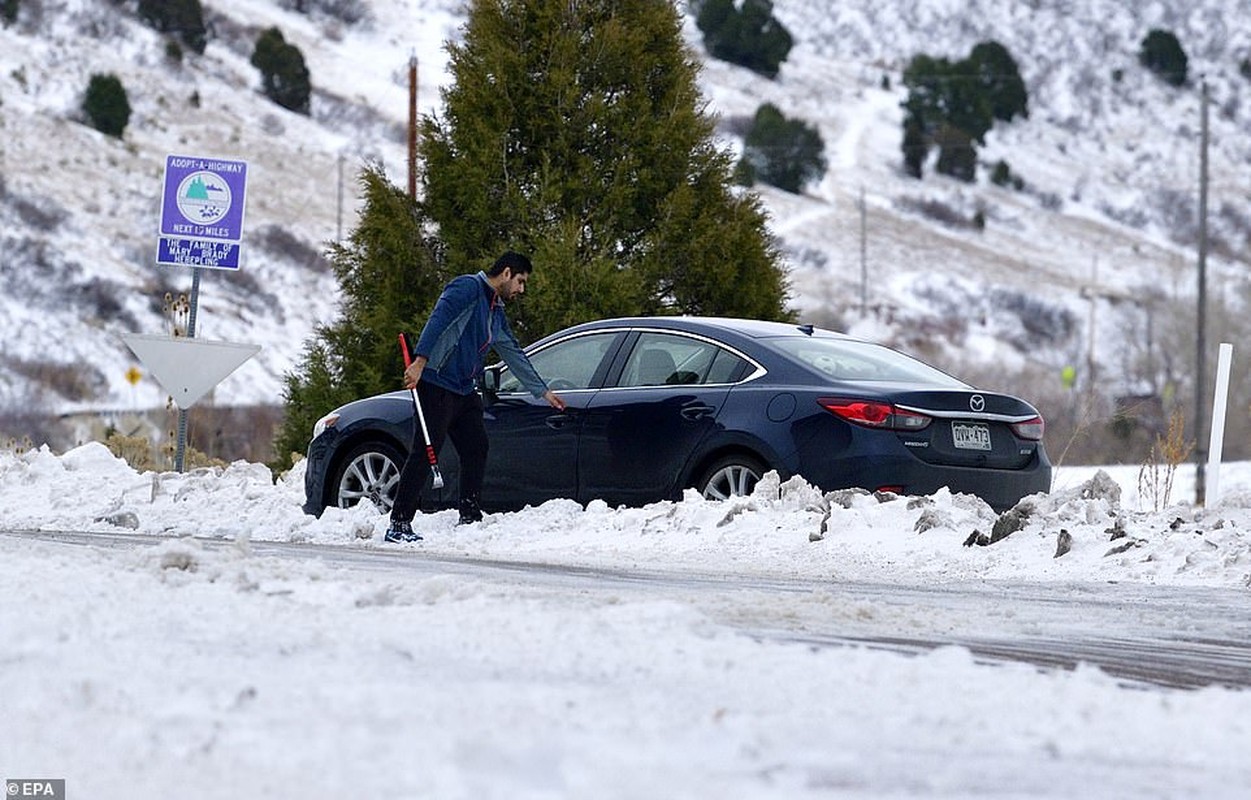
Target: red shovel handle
(404,349)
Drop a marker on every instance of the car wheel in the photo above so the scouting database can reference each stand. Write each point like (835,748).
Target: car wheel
(730,476)
(370,471)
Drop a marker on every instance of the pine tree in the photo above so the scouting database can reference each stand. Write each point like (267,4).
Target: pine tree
(786,153)
(284,75)
(1163,54)
(953,105)
(575,132)
(106,105)
(182,18)
(391,272)
(1000,78)
(749,36)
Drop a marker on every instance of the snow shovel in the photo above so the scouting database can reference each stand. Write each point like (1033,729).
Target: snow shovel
(436,479)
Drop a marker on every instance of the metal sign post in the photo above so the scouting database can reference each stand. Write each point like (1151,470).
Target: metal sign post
(201,227)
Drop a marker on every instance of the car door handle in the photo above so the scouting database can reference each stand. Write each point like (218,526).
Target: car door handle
(558,421)
(697,412)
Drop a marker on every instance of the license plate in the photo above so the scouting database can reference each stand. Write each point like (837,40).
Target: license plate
(968,436)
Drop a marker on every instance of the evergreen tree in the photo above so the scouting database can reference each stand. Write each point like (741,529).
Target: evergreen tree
(786,153)
(8,11)
(391,272)
(953,105)
(916,146)
(957,156)
(712,15)
(1163,54)
(575,132)
(106,105)
(182,18)
(749,36)
(284,75)
(1000,78)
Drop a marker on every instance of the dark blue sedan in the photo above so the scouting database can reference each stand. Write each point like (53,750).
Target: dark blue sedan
(657,405)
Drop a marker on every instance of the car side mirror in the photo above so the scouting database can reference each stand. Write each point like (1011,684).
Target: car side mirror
(490,384)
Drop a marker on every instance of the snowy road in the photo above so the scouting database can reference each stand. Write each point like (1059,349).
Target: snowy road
(1184,637)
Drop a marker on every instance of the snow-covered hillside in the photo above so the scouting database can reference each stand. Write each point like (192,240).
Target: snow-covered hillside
(1109,154)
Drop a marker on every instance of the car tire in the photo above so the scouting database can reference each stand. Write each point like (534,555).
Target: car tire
(370,471)
(730,476)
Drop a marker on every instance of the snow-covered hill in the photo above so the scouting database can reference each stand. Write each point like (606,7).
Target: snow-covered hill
(1093,261)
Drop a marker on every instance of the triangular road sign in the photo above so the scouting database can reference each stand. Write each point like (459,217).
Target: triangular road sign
(188,368)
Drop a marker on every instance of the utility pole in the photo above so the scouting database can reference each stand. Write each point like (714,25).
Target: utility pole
(338,223)
(864,261)
(412,126)
(1201,447)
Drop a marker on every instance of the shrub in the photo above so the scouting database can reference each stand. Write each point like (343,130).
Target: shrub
(8,11)
(1002,175)
(1163,55)
(349,11)
(953,105)
(284,75)
(184,19)
(106,105)
(749,36)
(782,152)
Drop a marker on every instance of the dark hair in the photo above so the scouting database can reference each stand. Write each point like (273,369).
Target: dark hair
(513,261)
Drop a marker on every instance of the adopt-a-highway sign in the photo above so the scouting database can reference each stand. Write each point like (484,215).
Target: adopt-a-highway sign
(202,212)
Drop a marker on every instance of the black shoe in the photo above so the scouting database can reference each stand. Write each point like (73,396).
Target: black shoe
(470,512)
(401,531)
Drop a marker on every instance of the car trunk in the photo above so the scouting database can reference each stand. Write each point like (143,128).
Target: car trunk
(969,429)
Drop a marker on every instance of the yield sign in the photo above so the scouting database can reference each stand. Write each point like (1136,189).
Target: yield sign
(188,368)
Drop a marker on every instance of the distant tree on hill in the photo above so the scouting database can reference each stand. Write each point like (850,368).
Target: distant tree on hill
(749,36)
(1163,54)
(284,75)
(786,153)
(106,105)
(1000,78)
(953,105)
(8,11)
(182,18)
(349,11)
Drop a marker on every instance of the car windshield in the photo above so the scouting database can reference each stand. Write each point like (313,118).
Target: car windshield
(850,360)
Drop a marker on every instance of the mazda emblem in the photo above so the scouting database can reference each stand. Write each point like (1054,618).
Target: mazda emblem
(977,402)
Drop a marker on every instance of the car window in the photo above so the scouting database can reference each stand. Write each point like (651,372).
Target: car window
(568,364)
(727,368)
(660,359)
(847,360)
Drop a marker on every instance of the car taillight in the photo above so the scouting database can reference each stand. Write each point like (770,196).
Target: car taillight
(1029,429)
(872,414)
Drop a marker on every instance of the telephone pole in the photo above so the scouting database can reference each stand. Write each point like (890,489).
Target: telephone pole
(1201,446)
(412,126)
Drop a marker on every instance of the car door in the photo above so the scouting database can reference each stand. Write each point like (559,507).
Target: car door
(533,447)
(639,433)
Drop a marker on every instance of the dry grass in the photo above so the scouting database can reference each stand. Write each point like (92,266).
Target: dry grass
(1155,477)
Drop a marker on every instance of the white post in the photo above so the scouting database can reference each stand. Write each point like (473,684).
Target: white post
(1218,423)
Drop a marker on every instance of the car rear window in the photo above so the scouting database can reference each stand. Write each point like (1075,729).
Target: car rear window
(849,360)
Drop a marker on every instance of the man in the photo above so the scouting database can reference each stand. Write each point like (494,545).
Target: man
(467,320)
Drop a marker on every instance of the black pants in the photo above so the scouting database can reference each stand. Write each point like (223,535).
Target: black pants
(447,415)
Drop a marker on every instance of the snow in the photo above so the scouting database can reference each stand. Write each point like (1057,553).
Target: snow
(192,660)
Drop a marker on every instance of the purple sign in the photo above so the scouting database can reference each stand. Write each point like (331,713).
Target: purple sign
(198,253)
(202,206)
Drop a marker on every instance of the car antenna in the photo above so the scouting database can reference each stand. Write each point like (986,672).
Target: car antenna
(807,328)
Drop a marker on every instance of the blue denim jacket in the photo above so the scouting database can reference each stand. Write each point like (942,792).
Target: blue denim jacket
(467,320)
